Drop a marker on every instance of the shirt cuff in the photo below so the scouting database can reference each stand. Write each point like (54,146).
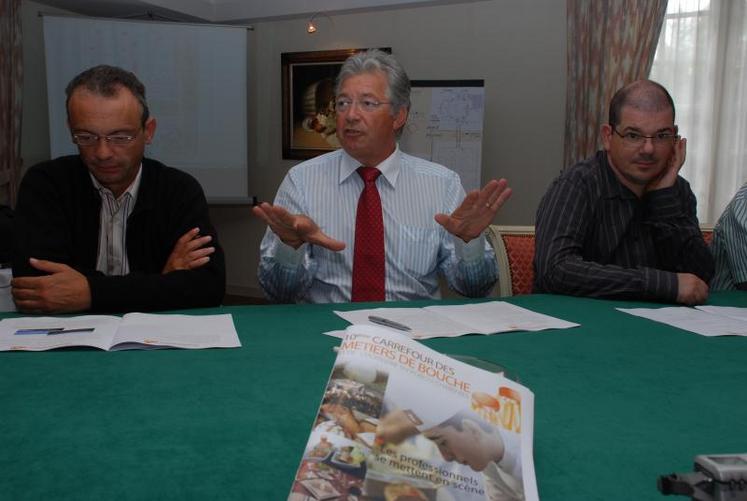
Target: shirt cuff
(288,256)
(660,285)
(469,252)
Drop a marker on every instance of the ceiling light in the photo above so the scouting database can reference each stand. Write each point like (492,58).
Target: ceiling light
(311,26)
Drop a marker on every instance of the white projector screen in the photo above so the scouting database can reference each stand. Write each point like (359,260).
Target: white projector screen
(195,79)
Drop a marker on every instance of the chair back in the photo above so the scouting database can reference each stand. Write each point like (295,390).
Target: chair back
(514,252)
(707,234)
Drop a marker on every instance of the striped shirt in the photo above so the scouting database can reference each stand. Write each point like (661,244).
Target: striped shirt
(112,253)
(417,248)
(595,237)
(730,245)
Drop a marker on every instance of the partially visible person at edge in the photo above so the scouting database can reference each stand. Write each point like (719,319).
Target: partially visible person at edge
(107,229)
(729,245)
(622,224)
(312,251)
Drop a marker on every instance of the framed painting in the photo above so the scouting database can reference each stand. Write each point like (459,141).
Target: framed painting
(309,121)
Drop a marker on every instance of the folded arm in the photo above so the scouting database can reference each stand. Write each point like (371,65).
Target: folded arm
(179,265)
(65,290)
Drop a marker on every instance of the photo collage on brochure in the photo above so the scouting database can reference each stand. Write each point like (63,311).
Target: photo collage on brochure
(334,463)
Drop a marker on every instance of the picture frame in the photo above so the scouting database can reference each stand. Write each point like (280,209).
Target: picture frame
(308,90)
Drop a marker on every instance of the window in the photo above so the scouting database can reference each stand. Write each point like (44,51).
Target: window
(701,58)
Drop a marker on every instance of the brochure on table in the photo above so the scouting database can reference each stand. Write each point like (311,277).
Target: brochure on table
(401,421)
(133,331)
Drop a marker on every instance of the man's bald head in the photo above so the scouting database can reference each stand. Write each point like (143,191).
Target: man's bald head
(643,95)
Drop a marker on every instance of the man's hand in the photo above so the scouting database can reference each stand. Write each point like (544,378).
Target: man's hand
(189,252)
(64,290)
(676,161)
(477,210)
(295,229)
(691,290)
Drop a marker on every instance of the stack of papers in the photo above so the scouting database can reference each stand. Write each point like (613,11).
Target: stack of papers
(704,320)
(452,321)
(134,331)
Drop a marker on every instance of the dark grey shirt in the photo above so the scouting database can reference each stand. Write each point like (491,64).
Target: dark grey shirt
(595,237)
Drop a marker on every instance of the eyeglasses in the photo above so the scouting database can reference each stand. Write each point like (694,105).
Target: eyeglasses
(84,139)
(368,105)
(636,139)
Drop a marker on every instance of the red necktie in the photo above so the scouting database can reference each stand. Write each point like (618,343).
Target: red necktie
(368,256)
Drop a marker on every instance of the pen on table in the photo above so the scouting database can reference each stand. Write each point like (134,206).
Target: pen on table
(41,330)
(388,323)
(66,331)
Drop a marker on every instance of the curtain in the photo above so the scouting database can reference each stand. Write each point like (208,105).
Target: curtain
(11,80)
(702,60)
(610,43)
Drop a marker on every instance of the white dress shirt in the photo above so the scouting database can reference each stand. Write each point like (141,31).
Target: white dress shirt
(112,254)
(417,248)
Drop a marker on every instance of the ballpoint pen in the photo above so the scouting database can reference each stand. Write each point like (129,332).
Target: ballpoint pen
(66,331)
(49,331)
(40,330)
(388,323)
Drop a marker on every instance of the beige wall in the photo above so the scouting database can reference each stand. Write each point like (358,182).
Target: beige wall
(517,47)
(35,131)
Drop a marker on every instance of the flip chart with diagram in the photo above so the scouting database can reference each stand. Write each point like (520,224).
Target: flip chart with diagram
(446,126)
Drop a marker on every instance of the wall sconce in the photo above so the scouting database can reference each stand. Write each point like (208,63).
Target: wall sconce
(311,27)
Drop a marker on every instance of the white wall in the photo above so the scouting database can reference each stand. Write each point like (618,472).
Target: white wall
(517,47)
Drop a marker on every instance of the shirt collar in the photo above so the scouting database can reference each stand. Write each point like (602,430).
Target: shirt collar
(389,168)
(132,190)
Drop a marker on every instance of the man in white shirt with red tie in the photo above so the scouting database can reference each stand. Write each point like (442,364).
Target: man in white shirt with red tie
(369,222)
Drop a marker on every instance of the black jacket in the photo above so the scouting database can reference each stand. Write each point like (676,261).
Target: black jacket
(57,218)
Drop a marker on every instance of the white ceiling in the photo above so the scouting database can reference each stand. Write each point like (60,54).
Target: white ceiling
(229,11)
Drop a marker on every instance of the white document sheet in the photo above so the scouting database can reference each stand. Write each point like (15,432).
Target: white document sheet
(701,321)
(132,331)
(457,320)
(177,331)
(726,311)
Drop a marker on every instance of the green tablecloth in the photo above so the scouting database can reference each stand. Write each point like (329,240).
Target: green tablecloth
(619,401)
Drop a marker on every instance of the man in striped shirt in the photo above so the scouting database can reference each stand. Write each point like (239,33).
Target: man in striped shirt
(622,224)
(730,245)
(429,227)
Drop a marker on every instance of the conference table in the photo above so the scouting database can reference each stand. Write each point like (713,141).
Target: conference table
(619,401)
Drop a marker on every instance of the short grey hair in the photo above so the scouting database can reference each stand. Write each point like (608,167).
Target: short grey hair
(105,80)
(372,60)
